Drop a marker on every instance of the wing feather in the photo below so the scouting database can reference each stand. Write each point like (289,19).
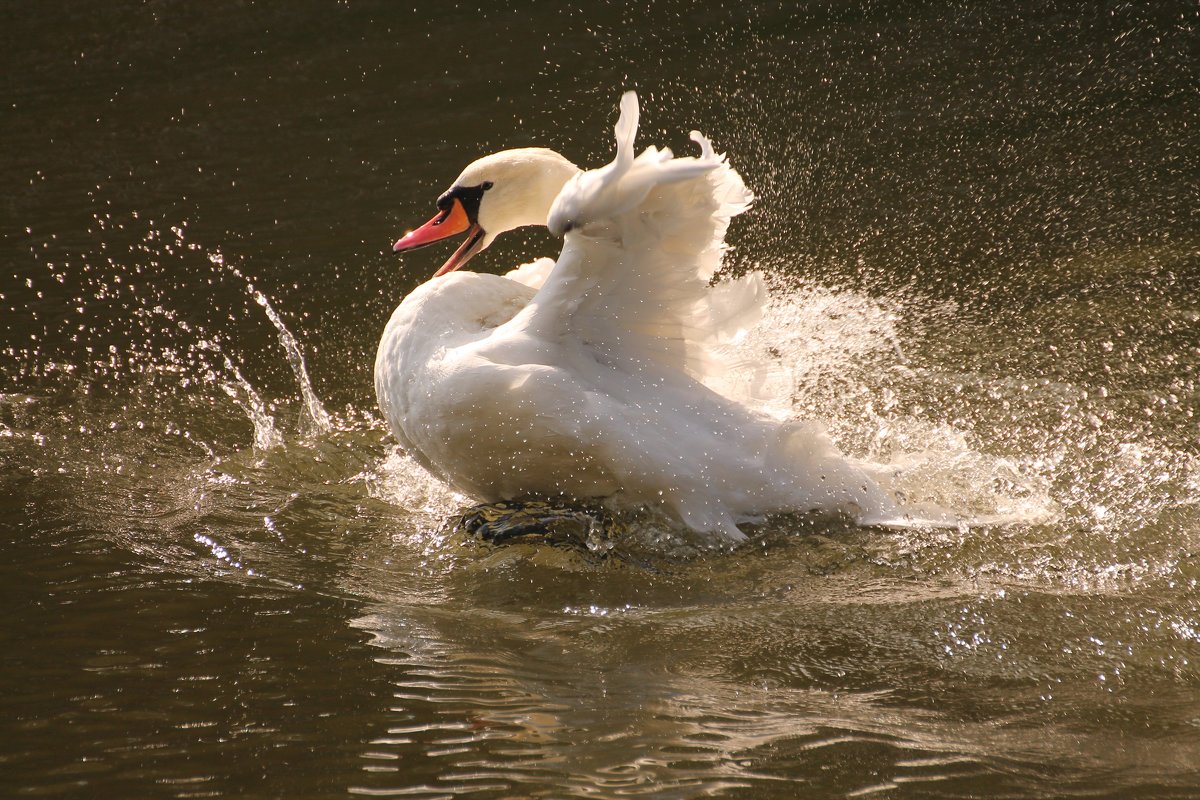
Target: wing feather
(644,238)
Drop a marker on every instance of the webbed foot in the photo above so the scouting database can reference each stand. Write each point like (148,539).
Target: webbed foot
(534,521)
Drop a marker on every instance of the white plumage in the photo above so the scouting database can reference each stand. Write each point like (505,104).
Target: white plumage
(590,376)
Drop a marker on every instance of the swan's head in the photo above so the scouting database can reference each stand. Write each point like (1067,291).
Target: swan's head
(495,194)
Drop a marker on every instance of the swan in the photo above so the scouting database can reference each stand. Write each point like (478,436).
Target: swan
(591,376)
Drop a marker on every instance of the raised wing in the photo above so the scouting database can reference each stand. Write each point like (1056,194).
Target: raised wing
(644,238)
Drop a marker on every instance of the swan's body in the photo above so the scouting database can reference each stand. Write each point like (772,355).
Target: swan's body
(586,378)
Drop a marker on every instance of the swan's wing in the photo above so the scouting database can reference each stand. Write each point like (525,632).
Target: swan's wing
(593,198)
(532,274)
(644,237)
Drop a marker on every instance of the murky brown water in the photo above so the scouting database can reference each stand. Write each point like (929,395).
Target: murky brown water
(983,222)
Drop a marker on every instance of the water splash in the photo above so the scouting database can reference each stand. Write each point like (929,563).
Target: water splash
(834,357)
(402,482)
(812,347)
(315,420)
(243,393)
(199,361)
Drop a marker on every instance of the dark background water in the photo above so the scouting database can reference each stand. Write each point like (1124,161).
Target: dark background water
(210,594)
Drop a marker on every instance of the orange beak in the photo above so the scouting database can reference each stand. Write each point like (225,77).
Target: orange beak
(447,223)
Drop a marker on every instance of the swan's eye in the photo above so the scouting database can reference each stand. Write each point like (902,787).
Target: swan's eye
(486,185)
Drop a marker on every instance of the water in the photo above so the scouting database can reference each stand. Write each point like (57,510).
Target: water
(223,581)
(315,418)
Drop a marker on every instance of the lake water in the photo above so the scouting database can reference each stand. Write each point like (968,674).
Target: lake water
(222,580)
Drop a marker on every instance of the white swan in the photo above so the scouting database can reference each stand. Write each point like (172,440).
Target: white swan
(586,377)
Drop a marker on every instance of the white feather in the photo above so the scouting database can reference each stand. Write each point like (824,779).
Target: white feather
(589,379)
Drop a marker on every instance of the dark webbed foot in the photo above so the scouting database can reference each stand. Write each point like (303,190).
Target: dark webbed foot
(534,521)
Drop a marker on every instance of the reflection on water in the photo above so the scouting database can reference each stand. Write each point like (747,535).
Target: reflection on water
(223,580)
(631,700)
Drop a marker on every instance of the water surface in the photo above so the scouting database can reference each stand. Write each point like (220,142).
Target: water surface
(223,581)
